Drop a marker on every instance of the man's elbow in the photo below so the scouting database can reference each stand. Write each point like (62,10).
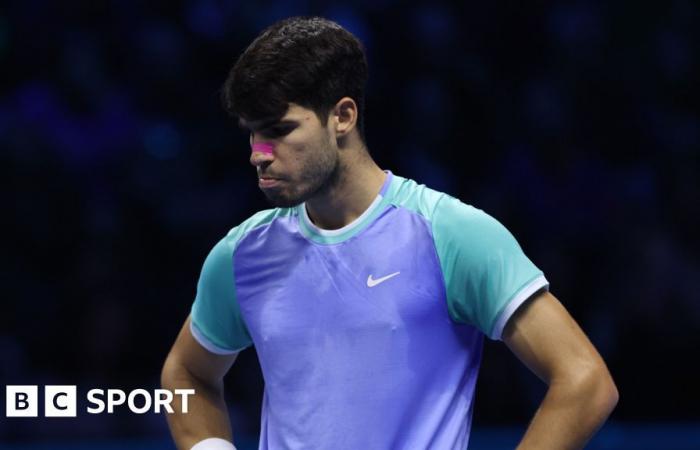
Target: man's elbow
(608,392)
(600,389)
(166,374)
(172,373)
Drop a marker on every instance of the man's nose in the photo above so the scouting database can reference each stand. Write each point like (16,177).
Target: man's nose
(262,152)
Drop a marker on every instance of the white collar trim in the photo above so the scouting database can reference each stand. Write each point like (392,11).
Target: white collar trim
(305,217)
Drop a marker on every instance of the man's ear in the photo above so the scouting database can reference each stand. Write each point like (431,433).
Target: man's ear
(344,116)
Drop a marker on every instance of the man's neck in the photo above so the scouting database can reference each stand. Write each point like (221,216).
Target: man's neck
(356,188)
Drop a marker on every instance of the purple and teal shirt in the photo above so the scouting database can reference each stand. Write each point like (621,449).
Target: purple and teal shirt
(369,336)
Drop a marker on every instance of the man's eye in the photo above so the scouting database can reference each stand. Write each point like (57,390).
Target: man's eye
(277,131)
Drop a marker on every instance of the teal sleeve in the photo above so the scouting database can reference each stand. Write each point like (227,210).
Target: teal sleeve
(487,275)
(216,317)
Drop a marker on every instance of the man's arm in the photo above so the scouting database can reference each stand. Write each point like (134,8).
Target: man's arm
(581,393)
(190,366)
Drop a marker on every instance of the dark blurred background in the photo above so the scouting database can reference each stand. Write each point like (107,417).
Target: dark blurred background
(575,123)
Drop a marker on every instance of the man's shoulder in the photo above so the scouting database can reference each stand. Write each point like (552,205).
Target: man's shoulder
(424,200)
(259,219)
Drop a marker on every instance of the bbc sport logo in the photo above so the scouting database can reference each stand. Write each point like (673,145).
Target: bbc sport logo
(62,401)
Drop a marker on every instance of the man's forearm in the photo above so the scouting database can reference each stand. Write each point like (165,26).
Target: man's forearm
(207,415)
(571,412)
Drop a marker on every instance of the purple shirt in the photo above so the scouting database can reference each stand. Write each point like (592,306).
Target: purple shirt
(369,336)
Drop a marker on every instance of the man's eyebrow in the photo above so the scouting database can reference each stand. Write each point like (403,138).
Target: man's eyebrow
(257,125)
(264,123)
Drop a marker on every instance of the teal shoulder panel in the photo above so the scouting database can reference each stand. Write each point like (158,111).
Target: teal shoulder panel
(216,317)
(485,270)
(416,197)
(487,276)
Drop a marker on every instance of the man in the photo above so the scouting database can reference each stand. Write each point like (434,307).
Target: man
(366,295)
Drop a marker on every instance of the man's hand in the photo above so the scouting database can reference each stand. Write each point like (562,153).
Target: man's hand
(581,392)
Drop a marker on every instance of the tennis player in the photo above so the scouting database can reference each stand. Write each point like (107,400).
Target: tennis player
(366,295)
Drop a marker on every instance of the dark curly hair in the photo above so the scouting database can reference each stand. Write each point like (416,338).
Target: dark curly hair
(310,61)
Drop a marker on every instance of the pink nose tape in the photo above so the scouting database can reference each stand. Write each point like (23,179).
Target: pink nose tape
(263,147)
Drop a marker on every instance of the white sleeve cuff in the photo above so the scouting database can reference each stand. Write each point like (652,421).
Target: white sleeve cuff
(213,444)
(524,294)
(207,344)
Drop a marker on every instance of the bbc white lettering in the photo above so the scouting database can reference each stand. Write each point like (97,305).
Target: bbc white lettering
(62,401)
(164,402)
(161,398)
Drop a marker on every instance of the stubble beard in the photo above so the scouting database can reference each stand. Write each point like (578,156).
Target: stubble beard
(318,176)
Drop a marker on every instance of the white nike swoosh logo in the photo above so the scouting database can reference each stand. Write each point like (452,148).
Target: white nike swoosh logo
(371,282)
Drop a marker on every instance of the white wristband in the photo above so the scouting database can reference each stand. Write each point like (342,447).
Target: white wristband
(213,444)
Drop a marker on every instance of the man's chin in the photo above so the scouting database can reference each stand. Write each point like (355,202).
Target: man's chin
(279,200)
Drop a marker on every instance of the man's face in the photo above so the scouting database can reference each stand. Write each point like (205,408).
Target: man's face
(304,160)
